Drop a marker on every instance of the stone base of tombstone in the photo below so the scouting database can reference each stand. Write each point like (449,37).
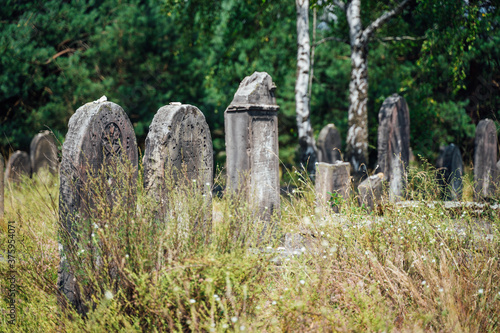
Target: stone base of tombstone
(370,191)
(333,184)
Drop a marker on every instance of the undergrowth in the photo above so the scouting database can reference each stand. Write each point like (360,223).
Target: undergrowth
(167,265)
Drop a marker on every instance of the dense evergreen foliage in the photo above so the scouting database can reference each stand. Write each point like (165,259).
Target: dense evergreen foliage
(57,55)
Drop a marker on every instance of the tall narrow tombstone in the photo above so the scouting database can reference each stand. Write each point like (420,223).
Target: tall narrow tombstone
(485,158)
(178,144)
(450,170)
(394,143)
(17,167)
(100,137)
(43,153)
(329,144)
(333,183)
(370,191)
(1,187)
(251,126)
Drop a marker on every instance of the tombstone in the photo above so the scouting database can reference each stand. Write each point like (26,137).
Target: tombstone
(329,144)
(485,159)
(450,171)
(251,126)
(100,139)
(394,143)
(17,167)
(333,183)
(1,187)
(370,191)
(178,140)
(43,153)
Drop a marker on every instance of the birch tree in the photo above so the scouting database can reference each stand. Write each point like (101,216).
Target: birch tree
(308,150)
(357,135)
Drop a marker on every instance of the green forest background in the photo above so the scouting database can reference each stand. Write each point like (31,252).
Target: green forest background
(58,55)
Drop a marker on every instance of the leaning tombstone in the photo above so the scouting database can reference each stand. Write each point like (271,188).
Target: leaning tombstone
(17,167)
(485,159)
(394,144)
(450,170)
(251,126)
(179,145)
(43,153)
(99,144)
(370,191)
(333,184)
(329,144)
(1,187)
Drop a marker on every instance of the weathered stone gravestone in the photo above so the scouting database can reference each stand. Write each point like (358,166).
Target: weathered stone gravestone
(370,191)
(329,144)
(43,153)
(485,158)
(394,143)
(1,186)
(178,145)
(100,141)
(333,183)
(450,171)
(17,167)
(251,126)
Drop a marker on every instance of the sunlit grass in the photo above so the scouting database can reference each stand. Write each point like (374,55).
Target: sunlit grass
(408,269)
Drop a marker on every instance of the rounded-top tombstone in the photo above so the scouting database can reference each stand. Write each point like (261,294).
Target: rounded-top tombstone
(251,129)
(100,137)
(394,143)
(485,158)
(43,153)
(450,171)
(178,144)
(18,166)
(329,144)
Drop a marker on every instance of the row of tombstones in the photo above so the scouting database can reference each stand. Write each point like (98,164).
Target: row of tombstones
(333,175)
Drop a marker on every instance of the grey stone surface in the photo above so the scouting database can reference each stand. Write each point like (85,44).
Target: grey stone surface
(100,136)
(251,126)
(450,171)
(394,144)
(18,166)
(485,159)
(329,144)
(333,178)
(1,186)
(370,191)
(178,141)
(43,153)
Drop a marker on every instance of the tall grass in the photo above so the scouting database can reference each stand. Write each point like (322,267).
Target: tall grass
(156,266)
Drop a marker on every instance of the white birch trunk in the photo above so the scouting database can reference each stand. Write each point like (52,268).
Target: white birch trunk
(306,138)
(357,135)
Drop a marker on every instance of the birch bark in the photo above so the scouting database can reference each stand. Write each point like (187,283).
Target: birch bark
(306,138)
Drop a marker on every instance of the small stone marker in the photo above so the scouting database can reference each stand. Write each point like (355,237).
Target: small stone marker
(450,170)
(251,126)
(394,143)
(99,135)
(43,153)
(485,158)
(1,186)
(179,138)
(333,178)
(370,191)
(329,144)
(17,166)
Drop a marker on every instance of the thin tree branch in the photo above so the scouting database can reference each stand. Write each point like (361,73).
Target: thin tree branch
(400,38)
(381,20)
(327,39)
(339,4)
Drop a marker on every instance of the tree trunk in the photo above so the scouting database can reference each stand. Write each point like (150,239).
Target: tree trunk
(357,135)
(308,151)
